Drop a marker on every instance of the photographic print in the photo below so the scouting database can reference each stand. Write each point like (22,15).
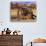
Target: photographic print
(23,11)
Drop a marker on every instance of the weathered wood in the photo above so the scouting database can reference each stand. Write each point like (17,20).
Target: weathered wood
(11,40)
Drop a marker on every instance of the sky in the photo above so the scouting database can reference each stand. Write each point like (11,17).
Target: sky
(31,30)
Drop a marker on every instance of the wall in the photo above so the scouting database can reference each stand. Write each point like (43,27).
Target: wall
(30,30)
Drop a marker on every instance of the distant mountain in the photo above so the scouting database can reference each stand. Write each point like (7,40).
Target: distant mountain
(39,40)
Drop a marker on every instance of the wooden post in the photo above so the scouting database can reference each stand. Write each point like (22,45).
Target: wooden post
(31,43)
